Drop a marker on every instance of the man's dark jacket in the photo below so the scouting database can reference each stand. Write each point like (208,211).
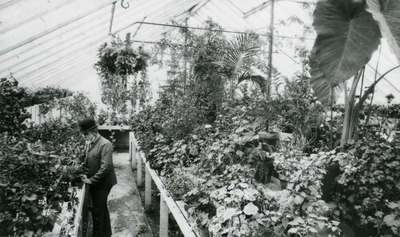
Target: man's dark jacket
(100,165)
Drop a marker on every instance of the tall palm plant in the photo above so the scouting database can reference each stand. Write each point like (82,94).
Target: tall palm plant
(239,61)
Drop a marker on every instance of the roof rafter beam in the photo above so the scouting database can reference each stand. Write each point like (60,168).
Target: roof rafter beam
(72,62)
(9,3)
(35,16)
(93,42)
(82,30)
(66,42)
(265,4)
(49,38)
(62,32)
(58,26)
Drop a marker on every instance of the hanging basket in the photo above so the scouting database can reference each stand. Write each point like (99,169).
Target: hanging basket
(119,58)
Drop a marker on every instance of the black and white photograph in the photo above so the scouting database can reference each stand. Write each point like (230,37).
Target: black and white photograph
(199,118)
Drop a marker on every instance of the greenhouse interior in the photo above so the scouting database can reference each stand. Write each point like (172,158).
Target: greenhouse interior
(200,118)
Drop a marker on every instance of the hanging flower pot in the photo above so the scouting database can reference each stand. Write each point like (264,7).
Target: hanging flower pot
(117,60)
(118,57)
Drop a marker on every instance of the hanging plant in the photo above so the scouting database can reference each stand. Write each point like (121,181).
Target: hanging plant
(117,60)
(118,57)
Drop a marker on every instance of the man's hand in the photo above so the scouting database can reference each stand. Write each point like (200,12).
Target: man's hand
(85,179)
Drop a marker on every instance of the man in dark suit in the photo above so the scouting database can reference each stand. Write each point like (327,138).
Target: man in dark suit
(100,176)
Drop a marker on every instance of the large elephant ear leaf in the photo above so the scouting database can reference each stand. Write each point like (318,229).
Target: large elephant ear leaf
(347,35)
(387,14)
(320,85)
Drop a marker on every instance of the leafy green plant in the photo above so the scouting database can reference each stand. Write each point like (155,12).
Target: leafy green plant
(117,60)
(12,106)
(71,108)
(179,183)
(368,182)
(348,34)
(111,118)
(37,177)
(46,95)
(238,60)
(213,169)
(385,13)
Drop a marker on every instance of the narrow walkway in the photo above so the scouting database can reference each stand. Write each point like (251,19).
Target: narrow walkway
(126,210)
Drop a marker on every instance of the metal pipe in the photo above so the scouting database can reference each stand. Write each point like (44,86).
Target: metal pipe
(112,16)
(271,46)
(201,28)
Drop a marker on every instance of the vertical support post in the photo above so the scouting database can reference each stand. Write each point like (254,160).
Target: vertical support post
(271,46)
(163,217)
(130,149)
(331,122)
(132,145)
(147,189)
(185,56)
(134,154)
(33,114)
(39,115)
(139,169)
(34,118)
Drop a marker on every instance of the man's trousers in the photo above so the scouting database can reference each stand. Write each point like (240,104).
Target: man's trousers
(100,214)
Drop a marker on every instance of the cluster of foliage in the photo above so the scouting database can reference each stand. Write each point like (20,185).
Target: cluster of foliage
(111,118)
(78,106)
(214,169)
(359,183)
(375,119)
(335,61)
(207,70)
(12,106)
(46,94)
(367,186)
(122,72)
(300,113)
(213,149)
(52,135)
(75,107)
(390,111)
(194,72)
(218,168)
(40,164)
(119,58)
(219,157)
(38,169)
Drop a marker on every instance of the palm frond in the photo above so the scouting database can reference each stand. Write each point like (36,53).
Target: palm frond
(240,52)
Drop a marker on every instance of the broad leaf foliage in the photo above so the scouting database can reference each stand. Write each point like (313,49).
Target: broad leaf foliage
(346,37)
(387,13)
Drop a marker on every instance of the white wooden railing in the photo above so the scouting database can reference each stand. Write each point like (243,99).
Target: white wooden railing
(167,203)
(78,225)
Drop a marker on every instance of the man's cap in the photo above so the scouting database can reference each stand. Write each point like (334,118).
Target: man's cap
(87,124)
